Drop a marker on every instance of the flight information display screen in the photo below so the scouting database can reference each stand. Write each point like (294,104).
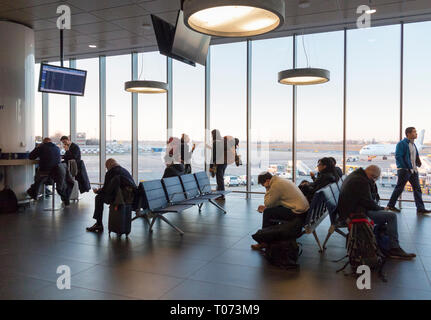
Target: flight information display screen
(55,79)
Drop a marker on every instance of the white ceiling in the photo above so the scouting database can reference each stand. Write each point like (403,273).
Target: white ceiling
(115,26)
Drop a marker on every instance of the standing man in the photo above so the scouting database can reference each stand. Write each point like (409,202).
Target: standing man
(408,161)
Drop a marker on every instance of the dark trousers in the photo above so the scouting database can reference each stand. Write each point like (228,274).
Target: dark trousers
(277,213)
(99,201)
(221,168)
(382,217)
(405,175)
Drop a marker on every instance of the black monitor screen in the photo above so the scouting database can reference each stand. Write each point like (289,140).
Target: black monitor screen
(55,79)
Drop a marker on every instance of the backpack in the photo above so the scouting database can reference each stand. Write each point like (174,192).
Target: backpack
(283,254)
(8,201)
(229,149)
(362,248)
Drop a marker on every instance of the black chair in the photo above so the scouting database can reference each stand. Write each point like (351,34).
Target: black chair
(192,192)
(157,203)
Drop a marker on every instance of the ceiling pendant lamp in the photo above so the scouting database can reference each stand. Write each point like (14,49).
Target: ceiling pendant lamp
(145,86)
(234,18)
(303,76)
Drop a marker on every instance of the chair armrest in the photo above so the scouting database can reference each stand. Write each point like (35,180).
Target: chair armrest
(175,193)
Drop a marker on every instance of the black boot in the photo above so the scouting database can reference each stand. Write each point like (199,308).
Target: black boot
(97,227)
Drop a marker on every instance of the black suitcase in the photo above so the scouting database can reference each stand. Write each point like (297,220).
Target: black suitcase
(120,219)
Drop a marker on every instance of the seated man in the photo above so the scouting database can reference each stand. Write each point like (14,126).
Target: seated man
(73,152)
(358,195)
(49,166)
(105,194)
(327,174)
(283,201)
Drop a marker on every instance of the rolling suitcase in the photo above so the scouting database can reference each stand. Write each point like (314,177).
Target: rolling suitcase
(120,219)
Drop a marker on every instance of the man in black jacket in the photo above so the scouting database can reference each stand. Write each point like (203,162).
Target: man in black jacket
(358,195)
(106,193)
(73,152)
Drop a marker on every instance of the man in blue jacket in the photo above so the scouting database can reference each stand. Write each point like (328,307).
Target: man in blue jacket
(408,161)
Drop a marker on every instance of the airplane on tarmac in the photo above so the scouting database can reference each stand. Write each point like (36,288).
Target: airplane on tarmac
(386,150)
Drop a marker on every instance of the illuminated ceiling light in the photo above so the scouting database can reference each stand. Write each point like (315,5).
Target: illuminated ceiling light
(92,46)
(304,76)
(371,11)
(146,86)
(234,18)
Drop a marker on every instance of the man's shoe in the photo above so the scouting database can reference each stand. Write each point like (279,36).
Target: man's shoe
(398,253)
(258,246)
(392,209)
(423,211)
(95,228)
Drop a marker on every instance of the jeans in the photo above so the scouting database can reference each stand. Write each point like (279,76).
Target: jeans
(277,213)
(405,175)
(386,217)
(221,168)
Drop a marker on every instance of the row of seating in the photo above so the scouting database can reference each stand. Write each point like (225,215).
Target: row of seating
(175,194)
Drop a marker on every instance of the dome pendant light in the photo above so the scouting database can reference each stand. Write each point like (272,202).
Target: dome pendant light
(234,18)
(146,86)
(303,76)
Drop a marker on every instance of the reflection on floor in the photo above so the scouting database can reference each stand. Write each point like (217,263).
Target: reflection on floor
(212,260)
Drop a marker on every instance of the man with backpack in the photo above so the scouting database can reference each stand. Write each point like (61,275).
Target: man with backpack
(358,196)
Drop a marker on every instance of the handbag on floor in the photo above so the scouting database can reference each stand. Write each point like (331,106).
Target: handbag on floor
(283,254)
(8,201)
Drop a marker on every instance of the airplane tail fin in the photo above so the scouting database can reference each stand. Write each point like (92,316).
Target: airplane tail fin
(421,139)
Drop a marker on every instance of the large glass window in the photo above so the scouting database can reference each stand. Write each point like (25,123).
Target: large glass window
(152,118)
(118,110)
(189,109)
(228,102)
(37,106)
(59,113)
(373,100)
(320,107)
(417,94)
(271,109)
(87,118)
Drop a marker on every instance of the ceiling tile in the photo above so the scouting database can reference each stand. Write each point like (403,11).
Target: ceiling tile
(98,27)
(47,11)
(120,34)
(134,25)
(120,12)
(43,25)
(160,5)
(19,4)
(91,5)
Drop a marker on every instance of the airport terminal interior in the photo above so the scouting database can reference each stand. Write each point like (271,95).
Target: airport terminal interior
(292,81)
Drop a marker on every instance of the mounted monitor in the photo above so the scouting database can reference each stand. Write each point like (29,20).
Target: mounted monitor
(55,79)
(180,42)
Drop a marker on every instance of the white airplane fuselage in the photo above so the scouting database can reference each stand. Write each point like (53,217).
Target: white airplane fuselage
(387,149)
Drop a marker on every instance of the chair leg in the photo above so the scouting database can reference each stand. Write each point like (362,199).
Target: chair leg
(152,223)
(200,207)
(317,240)
(340,232)
(53,208)
(217,205)
(173,226)
(330,232)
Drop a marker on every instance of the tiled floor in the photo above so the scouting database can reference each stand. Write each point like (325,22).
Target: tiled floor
(212,260)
